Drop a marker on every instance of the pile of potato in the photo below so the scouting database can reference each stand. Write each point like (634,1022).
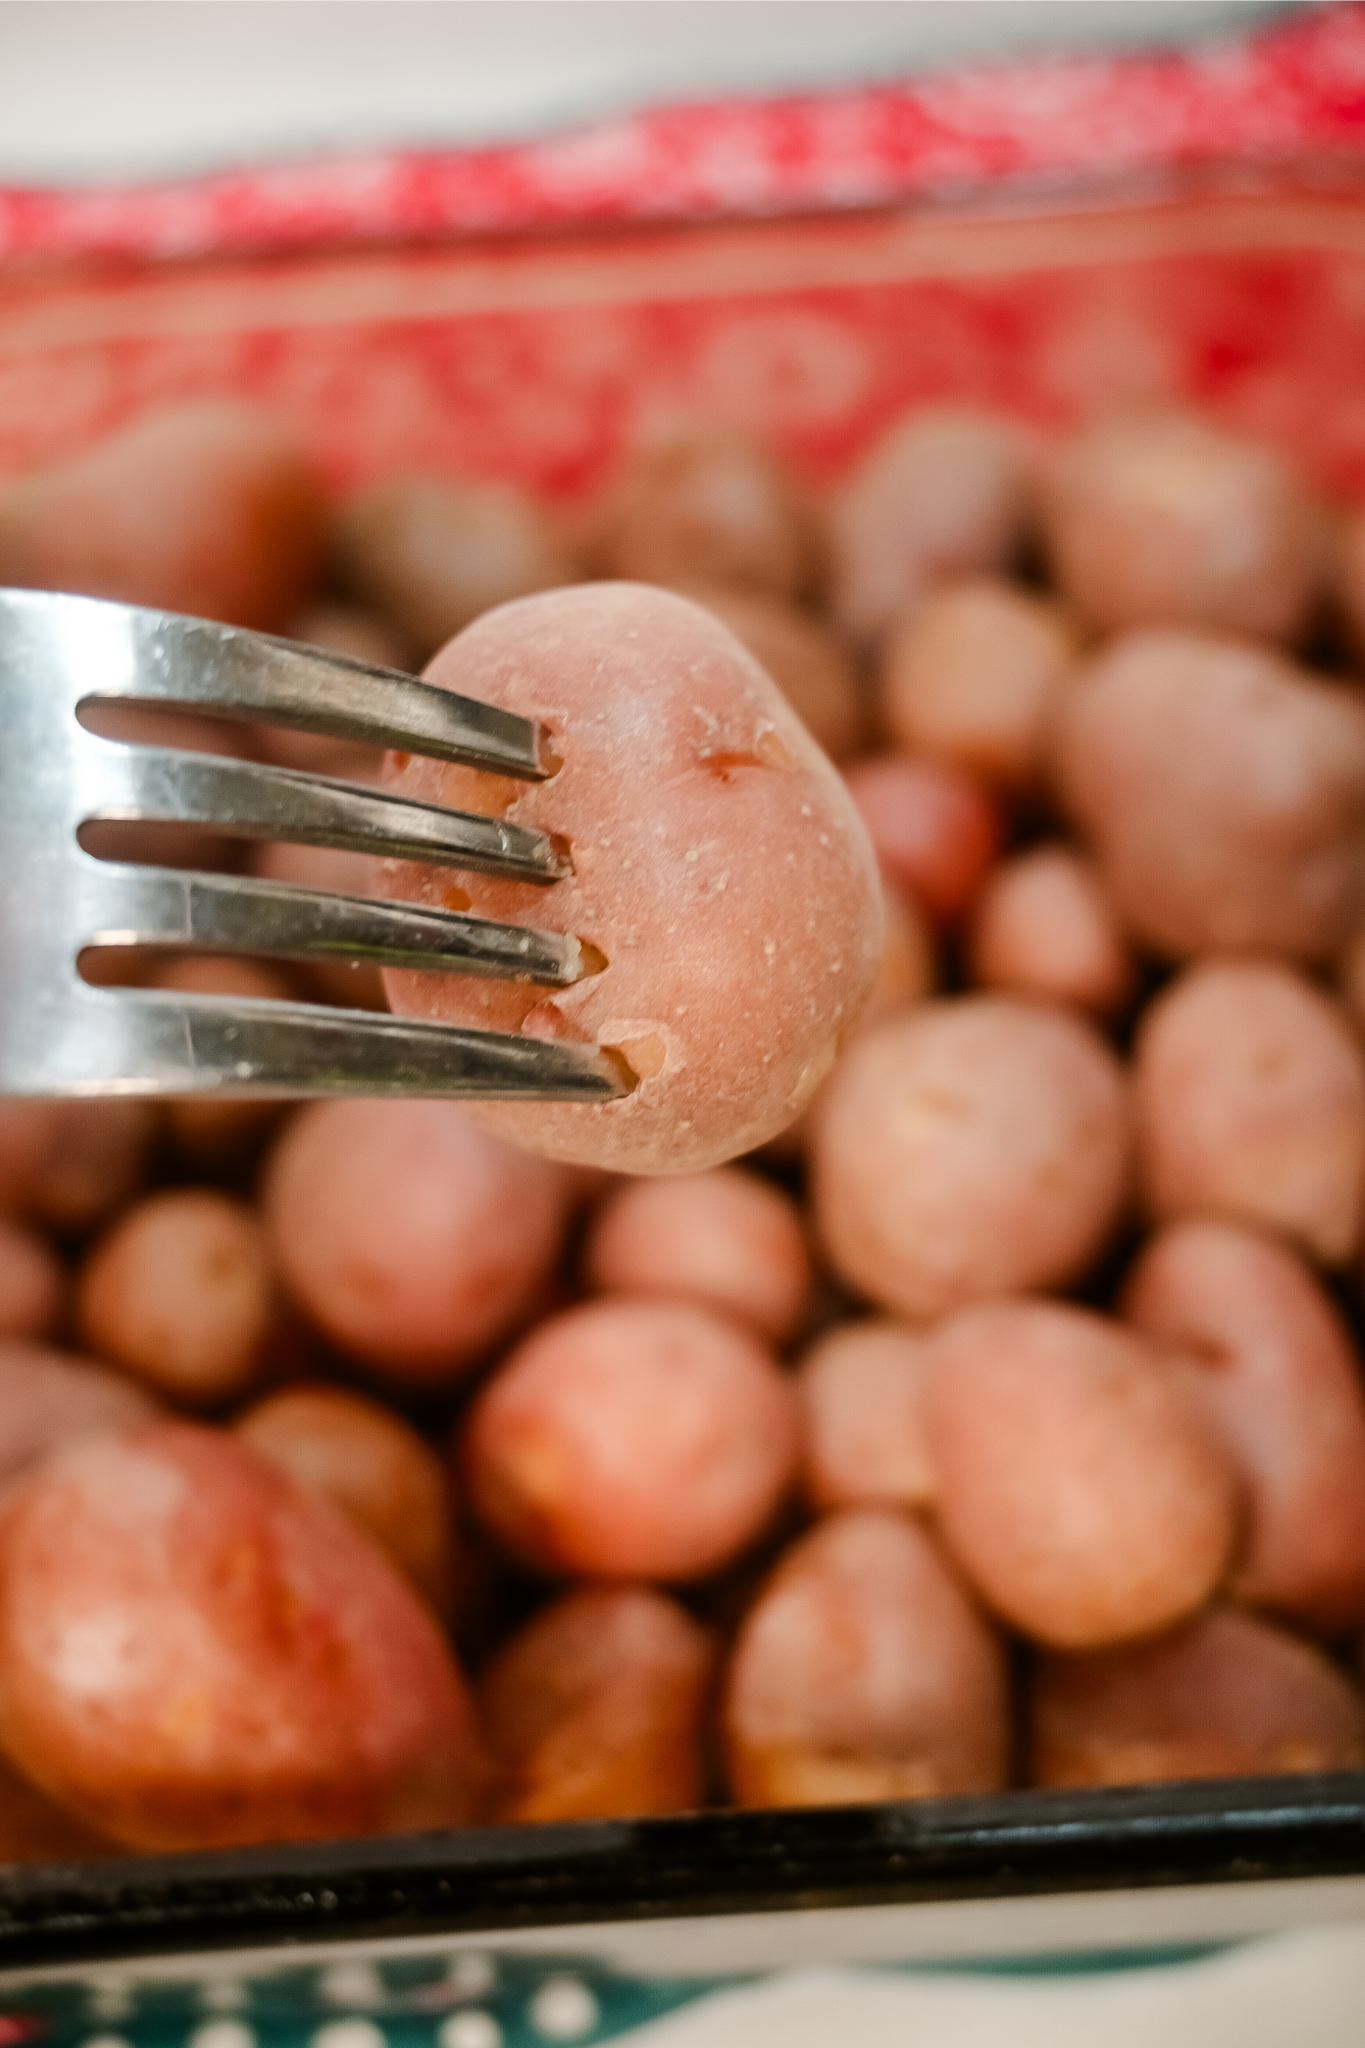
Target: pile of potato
(999,1420)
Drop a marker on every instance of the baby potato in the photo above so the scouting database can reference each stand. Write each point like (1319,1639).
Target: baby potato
(1222,790)
(631,1439)
(809,663)
(1223,1696)
(945,492)
(934,829)
(204,506)
(976,1146)
(410,1237)
(1078,1487)
(972,675)
(594,1709)
(180,1294)
(373,1466)
(1349,577)
(1273,1369)
(1044,926)
(1166,518)
(196,1652)
(720,869)
(865,1440)
(709,506)
(726,1239)
(48,1397)
(32,1282)
(1250,1093)
(67,1164)
(864,1671)
(429,553)
(35,1829)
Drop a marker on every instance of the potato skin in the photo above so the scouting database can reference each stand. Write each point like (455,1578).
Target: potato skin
(204,506)
(1250,1091)
(430,553)
(977,1146)
(1078,1488)
(719,866)
(1223,1695)
(594,1709)
(710,506)
(1223,790)
(934,829)
(947,490)
(725,1238)
(33,1286)
(374,1466)
(198,1653)
(631,1439)
(864,1436)
(1274,1371)
(973,675)
(181,1295)
(808,662)
(67,1164)
(48,1397)
(1043,926)
(1167,518)
(864,1671)
(410,1237)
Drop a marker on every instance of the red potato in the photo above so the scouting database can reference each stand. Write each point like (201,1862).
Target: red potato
(809,663)
(349,984)
(68,1164)
(1077,1485)
(430,554)
(726,1239)
(32,1282)
(594,1709)
(35,1829)
(48,1397)
(1250,1092)
(720,868)
(864,1671)
(180,1294)
(205,506)
(1225,1695)
(631,1439)
(710,507)
(373,1466)
(1167,518)
(947,491)
(198,1653)
(972,675)
(212,1134)
(1275,1373)
(410,1237)
(934,829)
(976,1146)
(1044,926)
(1222,790)
(865,1440)
(908,971)
(1349,577)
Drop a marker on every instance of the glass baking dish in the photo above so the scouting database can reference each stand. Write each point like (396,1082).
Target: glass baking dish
(1045,237)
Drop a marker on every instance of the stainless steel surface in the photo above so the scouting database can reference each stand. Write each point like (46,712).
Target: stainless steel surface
(59,1036)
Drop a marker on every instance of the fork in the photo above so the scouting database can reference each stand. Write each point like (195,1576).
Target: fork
(61,656)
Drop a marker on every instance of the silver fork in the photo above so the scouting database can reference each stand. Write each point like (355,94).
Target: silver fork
(60,1036)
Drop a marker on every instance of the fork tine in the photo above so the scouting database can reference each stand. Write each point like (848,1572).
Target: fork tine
(242,1047)
(232,914)
(196,664)
(253,801)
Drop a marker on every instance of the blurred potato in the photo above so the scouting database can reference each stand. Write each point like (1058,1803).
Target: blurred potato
(865,1439)
(1222,790)
(595,1708)
(1078,1486)
(1167,518)
(935,830)
(1044,926)
(1223,1696)
(1250,1093)
(864,1671)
